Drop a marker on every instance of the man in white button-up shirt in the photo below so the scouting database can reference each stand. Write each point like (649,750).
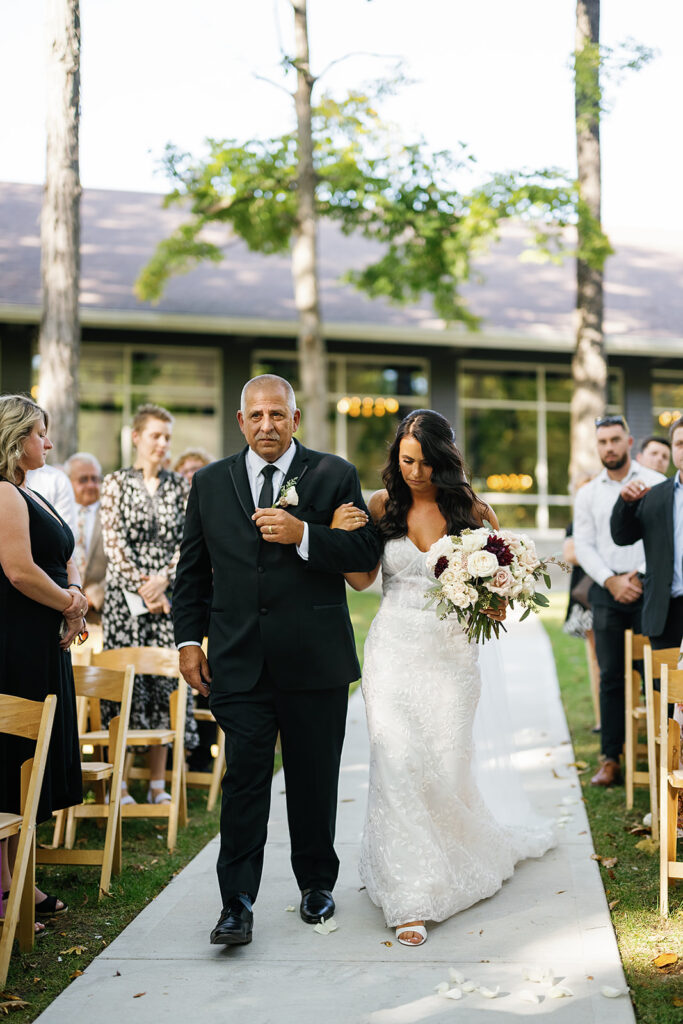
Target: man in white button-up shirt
(616,594)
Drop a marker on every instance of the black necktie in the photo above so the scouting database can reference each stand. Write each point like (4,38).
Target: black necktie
(265,498)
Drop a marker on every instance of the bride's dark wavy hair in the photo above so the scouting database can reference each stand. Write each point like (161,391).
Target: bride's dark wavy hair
(457,502)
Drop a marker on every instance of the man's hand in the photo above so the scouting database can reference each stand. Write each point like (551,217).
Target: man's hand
(625,588)
(278,526)
(634,490)
(195,668)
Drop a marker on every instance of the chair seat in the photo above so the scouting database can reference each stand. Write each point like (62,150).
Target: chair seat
(136,737)
(203,715)
(676,779)
(639,712)
(94,771)
(9,824)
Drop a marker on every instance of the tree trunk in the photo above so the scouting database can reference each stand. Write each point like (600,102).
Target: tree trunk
(59,340)
(589,365)
(311,345)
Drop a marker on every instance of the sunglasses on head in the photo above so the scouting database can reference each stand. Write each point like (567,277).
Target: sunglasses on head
(610,421)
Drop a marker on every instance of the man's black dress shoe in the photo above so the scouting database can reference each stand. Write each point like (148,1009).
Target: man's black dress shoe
(316,905)
(234,925)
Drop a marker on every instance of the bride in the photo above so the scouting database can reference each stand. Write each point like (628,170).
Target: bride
(431,846)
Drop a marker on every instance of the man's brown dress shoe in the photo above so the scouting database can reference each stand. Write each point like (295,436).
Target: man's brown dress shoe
(608,774)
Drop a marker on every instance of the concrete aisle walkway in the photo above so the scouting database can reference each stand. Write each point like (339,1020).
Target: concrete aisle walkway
(552,914)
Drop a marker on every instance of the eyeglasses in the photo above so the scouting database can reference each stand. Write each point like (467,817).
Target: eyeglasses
(89,479)
(610,421)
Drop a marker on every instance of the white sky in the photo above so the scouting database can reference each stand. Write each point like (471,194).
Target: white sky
(491,73)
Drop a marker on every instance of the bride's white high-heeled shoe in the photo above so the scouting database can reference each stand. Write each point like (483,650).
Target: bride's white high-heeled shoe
(419,929)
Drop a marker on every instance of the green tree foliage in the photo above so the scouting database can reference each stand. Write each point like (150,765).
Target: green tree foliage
(401,196)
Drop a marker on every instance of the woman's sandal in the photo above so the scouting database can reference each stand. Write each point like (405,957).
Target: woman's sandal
(419,929)
(38,926)
(48,907)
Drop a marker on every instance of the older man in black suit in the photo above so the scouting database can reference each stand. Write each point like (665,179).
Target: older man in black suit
(260,564)
(655,514)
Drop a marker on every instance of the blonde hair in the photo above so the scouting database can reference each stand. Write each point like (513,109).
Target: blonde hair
(150,412)
(193,453)
(18,416)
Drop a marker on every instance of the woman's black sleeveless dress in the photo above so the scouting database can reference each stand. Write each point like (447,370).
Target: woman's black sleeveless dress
(32,665)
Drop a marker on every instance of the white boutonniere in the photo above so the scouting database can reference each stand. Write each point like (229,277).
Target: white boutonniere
(288,495)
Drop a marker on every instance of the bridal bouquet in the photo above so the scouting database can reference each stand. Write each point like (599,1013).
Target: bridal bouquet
(485,569)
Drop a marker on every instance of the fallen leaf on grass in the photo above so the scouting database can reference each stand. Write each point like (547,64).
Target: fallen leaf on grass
(665,959)
(649,846)
(76,974)
(14,1004)
(138,994)
(677,1001)
(612,993)
(613,904)
(580,766)
(74,949)
(609,862)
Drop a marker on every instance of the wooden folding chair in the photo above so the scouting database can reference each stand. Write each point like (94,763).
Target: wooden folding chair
(211,780)
(670,783)
(155,661)
(636,714)
(654,662)
(32,720)
(95,684)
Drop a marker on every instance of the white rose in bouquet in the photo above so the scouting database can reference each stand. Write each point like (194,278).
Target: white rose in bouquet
(482,563)
(474,540)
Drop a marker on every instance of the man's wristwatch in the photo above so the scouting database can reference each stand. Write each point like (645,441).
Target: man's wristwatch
(77,585)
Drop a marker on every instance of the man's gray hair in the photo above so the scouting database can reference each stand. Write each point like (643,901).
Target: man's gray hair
(81,457)
(272,380)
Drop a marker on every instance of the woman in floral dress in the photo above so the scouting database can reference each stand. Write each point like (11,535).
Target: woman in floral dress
(143,511)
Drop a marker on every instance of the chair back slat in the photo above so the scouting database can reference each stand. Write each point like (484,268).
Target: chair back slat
(20,717)
(635,644)
(100,683)
(665,656)
(671,686)
(151,661)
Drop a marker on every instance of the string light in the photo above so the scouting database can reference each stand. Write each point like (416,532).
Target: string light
(509,482)
(667,418)
(367,406)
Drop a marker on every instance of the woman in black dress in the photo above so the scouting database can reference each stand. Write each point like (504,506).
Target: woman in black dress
(40,592)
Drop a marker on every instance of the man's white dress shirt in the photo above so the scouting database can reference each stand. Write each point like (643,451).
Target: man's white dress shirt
(54,485)
(596,552)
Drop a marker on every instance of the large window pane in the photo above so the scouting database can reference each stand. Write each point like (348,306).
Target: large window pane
(385,379)
(557,427)
(508,385)
(500,449)
(169,370)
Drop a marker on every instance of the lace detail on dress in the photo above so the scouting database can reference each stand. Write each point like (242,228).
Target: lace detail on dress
(430,845)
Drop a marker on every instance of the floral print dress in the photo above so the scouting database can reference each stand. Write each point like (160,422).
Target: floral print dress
(142,534)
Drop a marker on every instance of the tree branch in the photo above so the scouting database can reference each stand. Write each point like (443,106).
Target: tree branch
(276,85)
(358,53)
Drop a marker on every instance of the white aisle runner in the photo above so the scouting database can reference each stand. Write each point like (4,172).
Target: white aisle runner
(552,914)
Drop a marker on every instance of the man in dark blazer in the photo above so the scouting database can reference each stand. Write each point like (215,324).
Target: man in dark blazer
(656,515)
(260,565)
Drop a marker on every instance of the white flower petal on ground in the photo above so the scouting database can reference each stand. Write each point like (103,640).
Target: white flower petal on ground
(325,927)
(612,993)
(559,992)
(527,996)
(452,993)
(456,976)
(468,986)
(538,974)
(441,988)
(489,993)
(290,909)
(568,800)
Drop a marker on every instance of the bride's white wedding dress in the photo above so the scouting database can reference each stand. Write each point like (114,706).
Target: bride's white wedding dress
(431,845)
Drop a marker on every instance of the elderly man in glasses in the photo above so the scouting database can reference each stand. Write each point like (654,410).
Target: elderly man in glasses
(616,594)
(85,474)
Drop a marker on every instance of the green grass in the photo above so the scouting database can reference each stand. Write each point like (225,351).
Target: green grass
(38,977)
(632,885)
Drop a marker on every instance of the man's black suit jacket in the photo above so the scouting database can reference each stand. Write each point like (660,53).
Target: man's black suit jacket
(652,520)
(263,603)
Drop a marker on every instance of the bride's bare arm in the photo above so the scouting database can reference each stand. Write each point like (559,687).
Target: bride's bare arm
(348,517)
